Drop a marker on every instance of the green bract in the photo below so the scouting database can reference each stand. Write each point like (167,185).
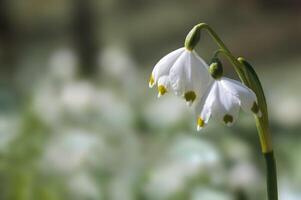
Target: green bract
(192,38)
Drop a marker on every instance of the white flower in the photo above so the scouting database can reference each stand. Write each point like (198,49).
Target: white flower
(183,72)
(222,101)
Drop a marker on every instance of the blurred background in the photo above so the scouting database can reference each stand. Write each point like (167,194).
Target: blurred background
(77,120)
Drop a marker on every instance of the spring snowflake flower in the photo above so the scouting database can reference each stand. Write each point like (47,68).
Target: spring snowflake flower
(183,72)
(223,100)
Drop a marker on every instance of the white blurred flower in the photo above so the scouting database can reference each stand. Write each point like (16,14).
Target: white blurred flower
(288,191)
(167,112)
(82,186)
(117,65)
(167,179)
(223,100)
(116,62)
(195,152)
(210,194)
(71,149)
(183,72)
(244,175)
(121,187)
(47,104)
(188,157)
(78,96)
(63,64)
(114,109)
(236,149)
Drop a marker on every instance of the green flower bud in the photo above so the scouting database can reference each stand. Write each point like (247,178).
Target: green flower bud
(216,68)
(192,38)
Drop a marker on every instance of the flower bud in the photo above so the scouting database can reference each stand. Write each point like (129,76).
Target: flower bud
(192,38)
(216,68)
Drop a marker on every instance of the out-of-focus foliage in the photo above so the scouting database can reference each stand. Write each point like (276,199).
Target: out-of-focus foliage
(77,120)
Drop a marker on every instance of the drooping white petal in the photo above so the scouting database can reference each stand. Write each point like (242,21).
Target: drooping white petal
(246,96)
(177,74)
(203,107)
(163,66)
(189,76)
(199,78)
(163,85)
(226,106)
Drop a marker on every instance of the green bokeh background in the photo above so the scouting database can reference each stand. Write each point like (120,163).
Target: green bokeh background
(77,120)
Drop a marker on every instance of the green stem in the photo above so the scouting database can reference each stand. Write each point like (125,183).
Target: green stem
(271,176)
(249,77)
(221,44)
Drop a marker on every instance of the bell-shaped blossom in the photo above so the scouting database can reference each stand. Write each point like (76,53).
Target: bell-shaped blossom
(223,100)
(183,72)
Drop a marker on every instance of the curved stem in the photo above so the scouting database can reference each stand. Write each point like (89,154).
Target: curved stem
(227,54)
(261,123)
(249,77)
(221,44)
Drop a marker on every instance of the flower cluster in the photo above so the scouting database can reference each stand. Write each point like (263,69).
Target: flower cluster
(187,75)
